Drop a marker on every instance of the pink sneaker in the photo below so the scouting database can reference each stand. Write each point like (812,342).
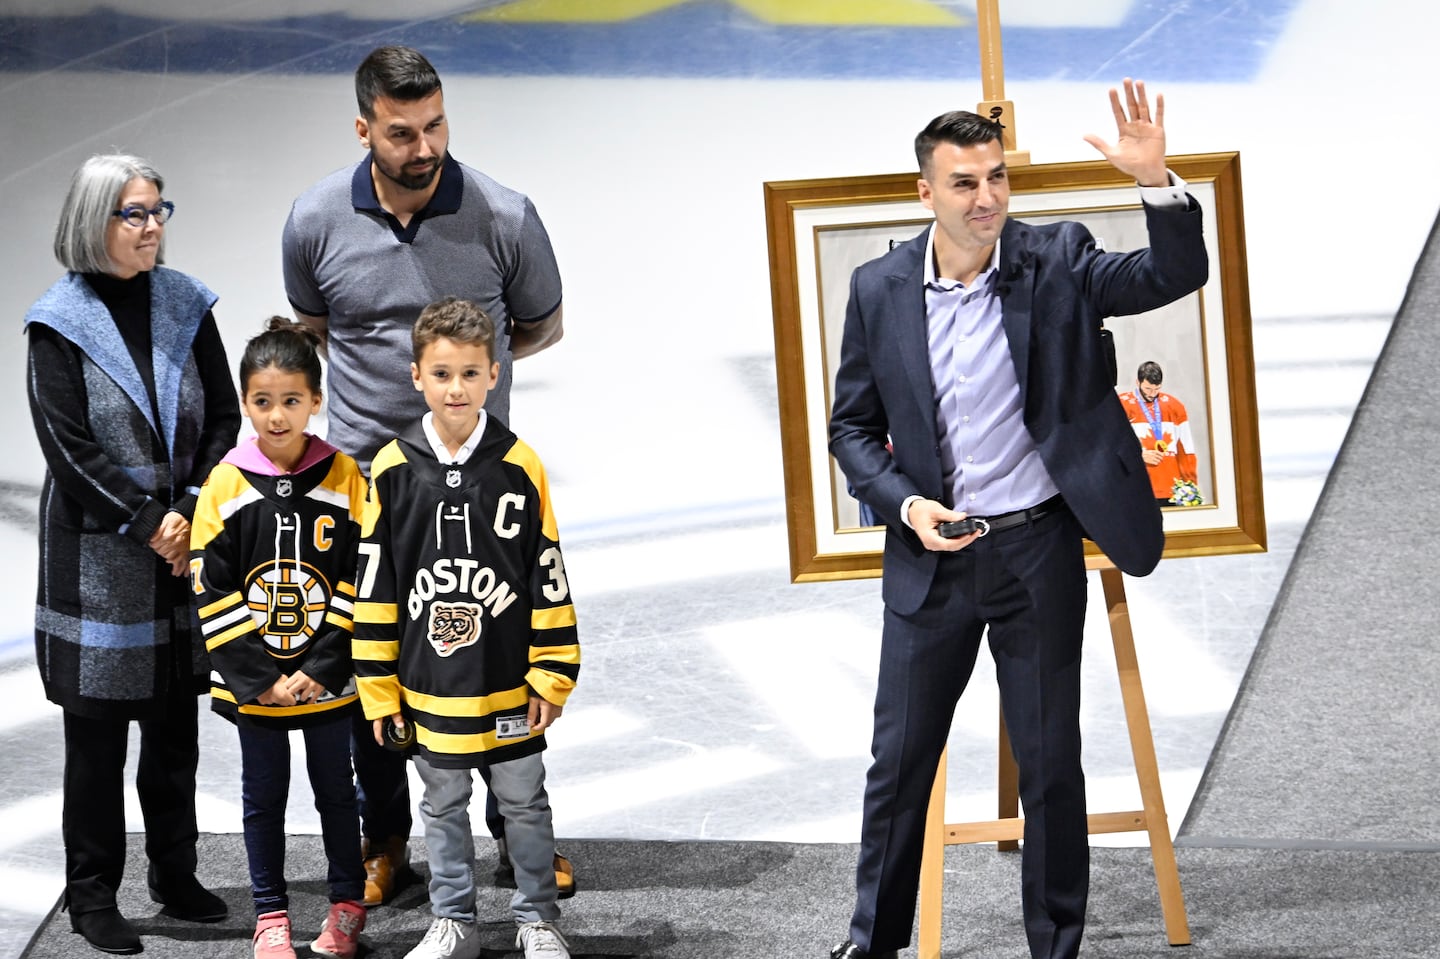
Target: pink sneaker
(272,936)
(340,933)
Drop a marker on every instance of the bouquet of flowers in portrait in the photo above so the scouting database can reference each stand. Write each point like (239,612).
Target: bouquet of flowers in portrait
(1186,493)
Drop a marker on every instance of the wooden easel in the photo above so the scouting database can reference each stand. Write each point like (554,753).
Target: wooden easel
(1009,828)
(992,81)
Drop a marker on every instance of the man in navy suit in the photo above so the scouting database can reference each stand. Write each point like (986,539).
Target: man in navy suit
(974,350)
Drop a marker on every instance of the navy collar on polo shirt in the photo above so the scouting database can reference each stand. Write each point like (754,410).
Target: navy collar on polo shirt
(445,199)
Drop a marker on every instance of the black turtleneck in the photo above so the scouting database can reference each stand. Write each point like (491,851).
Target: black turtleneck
(129,304)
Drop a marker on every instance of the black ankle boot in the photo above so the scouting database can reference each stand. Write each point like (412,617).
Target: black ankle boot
(107,930)
(184,898)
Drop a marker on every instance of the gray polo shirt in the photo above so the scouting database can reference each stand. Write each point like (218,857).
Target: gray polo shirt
(347,258)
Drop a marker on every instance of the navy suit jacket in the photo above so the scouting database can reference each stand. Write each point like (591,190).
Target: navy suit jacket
(1056,288)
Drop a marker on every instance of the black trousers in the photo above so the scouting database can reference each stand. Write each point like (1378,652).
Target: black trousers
(382,784)
(382,787)
(1028,586)
(93,820)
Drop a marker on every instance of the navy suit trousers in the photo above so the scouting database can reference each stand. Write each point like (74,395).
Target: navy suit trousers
(1027,585)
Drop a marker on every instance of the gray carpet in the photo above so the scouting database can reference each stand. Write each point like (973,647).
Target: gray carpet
(1332,739)
(697,900)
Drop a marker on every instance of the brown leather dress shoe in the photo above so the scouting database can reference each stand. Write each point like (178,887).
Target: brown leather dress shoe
(564,878)
(383,867)
(848,950)
(505,872)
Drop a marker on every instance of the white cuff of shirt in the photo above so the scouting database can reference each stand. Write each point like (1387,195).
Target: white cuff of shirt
(905,508)
(1172,195)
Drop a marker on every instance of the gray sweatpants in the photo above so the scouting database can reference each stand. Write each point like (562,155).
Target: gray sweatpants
(519,790)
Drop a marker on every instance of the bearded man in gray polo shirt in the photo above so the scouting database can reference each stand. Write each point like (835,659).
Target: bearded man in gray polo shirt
(368,247)
(364,251)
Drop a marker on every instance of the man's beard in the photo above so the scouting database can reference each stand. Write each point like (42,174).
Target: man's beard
(410,181)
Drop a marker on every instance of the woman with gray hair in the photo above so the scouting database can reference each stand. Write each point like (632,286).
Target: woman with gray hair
(133,405)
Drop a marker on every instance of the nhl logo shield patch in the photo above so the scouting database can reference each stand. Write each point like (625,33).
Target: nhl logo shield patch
(452,479)
(282,487)
(512,727)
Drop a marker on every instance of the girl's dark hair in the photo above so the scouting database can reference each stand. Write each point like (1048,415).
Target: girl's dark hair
(288,346)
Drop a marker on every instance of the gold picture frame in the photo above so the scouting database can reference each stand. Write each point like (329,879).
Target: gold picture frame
(820,230)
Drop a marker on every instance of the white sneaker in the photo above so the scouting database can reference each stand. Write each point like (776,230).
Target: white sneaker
(449,939)
(541,940)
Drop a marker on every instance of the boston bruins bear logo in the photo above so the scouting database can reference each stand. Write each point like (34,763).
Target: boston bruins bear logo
(453,625)
(288,602)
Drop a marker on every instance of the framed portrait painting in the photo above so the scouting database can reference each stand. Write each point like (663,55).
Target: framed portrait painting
(821,230)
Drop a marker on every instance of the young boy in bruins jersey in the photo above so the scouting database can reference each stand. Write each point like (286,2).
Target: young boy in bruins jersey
(464,628)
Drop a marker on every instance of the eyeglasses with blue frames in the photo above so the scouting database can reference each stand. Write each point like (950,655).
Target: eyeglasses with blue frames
(137,216)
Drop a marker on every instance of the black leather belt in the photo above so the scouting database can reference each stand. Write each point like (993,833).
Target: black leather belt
(1019,517)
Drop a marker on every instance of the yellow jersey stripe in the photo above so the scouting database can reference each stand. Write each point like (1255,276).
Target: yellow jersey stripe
(560,654)
(459,744)
(468,706)
(379,694)
(251,709)
(551,687)
(557,617)
(223,603)
(379,613)
(214,642)
(375,650)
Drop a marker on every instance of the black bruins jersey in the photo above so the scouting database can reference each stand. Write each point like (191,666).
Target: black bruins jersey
(272,563)
(463,604)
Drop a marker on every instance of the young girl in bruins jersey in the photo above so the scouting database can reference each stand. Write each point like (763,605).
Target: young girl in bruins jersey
(272,559)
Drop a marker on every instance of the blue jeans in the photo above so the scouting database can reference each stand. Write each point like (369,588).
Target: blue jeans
(265,786)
